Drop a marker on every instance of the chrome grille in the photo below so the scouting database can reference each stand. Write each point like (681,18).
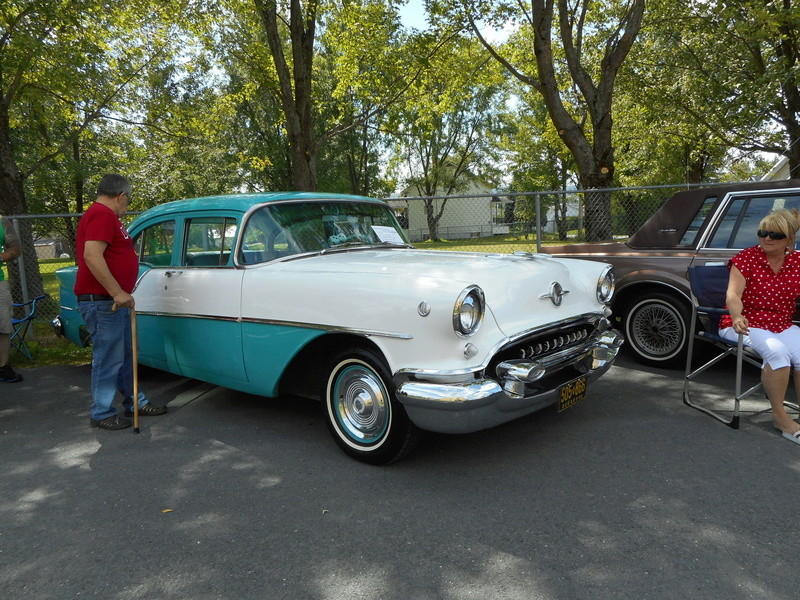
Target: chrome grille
(542,346)
(546,342)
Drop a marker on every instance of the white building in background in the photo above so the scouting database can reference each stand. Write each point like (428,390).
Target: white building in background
(475,211)
(779,171)
(573,207)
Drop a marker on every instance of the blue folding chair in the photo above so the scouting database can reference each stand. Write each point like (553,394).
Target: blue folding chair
(709,285)
(20,325)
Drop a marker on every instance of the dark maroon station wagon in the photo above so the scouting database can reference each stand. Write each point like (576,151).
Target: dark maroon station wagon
(701,226)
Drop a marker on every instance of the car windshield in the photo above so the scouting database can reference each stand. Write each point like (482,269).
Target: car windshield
(283,229)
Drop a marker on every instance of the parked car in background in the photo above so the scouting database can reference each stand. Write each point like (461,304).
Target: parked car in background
(320,295)
(702,226)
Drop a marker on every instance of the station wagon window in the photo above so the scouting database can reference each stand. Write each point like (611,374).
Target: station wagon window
(154,244)
(208,241)
(690,237)
(738,226)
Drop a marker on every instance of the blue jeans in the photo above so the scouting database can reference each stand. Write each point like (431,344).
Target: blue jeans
(112,356)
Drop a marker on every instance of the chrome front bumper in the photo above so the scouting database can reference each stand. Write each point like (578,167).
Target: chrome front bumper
(477,404)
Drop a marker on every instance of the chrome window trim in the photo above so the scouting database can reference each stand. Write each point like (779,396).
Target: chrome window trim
(723,207)
(320,326)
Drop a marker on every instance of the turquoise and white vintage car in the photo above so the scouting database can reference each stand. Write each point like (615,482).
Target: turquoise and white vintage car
(321,295)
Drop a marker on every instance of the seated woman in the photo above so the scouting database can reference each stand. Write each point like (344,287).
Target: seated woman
(762,292)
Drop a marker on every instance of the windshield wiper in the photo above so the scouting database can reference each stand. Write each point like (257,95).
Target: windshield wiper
(344,246)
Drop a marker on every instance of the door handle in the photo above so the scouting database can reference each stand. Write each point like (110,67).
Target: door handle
(171,273)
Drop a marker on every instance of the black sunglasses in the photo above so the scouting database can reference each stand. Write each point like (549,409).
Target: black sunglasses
(773,235)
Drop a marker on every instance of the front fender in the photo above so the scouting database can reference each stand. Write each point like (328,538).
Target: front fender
(71,324)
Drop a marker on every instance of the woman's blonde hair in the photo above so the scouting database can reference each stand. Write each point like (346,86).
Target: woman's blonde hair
(787,221)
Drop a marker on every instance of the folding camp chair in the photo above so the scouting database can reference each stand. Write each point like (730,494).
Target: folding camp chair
(708,286)
(20,325)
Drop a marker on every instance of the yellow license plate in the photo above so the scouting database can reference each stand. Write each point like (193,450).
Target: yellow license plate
(571,393)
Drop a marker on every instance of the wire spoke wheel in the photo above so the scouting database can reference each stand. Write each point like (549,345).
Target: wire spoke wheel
(656,329)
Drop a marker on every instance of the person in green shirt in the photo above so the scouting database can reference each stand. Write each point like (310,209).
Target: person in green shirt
(10,249)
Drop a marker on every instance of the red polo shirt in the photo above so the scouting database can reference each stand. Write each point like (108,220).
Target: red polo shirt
(101,224)
(769,298)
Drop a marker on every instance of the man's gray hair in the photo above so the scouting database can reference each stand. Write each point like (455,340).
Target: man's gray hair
(113,185)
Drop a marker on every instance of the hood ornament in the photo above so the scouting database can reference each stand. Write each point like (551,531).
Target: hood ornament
(556,293)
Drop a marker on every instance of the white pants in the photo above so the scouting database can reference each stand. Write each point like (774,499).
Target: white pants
(777,349)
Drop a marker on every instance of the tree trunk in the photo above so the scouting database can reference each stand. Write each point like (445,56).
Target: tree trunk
(432,220)
(793,153)
(294,85)
(560,213)
(597,206)
(593,154)
(12,202)
(28,284)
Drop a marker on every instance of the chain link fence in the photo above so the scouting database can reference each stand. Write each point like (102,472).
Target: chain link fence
(481,222)
(531,220)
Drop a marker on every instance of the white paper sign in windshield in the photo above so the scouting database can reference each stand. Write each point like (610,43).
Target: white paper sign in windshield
(387,234)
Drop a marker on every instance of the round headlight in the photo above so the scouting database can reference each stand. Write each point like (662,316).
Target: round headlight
(468,311)
(605,286)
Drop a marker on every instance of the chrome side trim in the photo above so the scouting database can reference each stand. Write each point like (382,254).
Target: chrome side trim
(189,316)
(320,326)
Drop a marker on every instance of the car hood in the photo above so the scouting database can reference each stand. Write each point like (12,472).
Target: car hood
(461,266)
(513,284)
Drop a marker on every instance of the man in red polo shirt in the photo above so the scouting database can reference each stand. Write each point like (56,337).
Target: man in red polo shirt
(107,272)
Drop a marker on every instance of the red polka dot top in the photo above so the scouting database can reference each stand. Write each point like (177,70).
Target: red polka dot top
(769,298)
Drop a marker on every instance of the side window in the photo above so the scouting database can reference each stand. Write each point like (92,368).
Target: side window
(690,236)
(208,241)
(739,224)
(262,240)
(154,244)
(728,225)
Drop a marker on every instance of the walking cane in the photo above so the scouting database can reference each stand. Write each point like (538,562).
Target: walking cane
(135,353)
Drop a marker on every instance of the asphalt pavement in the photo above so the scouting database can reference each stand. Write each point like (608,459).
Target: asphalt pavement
(629,494)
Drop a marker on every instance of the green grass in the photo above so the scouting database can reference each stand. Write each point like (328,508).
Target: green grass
(47,348)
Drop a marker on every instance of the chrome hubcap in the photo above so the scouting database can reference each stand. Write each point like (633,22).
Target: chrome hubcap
(361,404)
